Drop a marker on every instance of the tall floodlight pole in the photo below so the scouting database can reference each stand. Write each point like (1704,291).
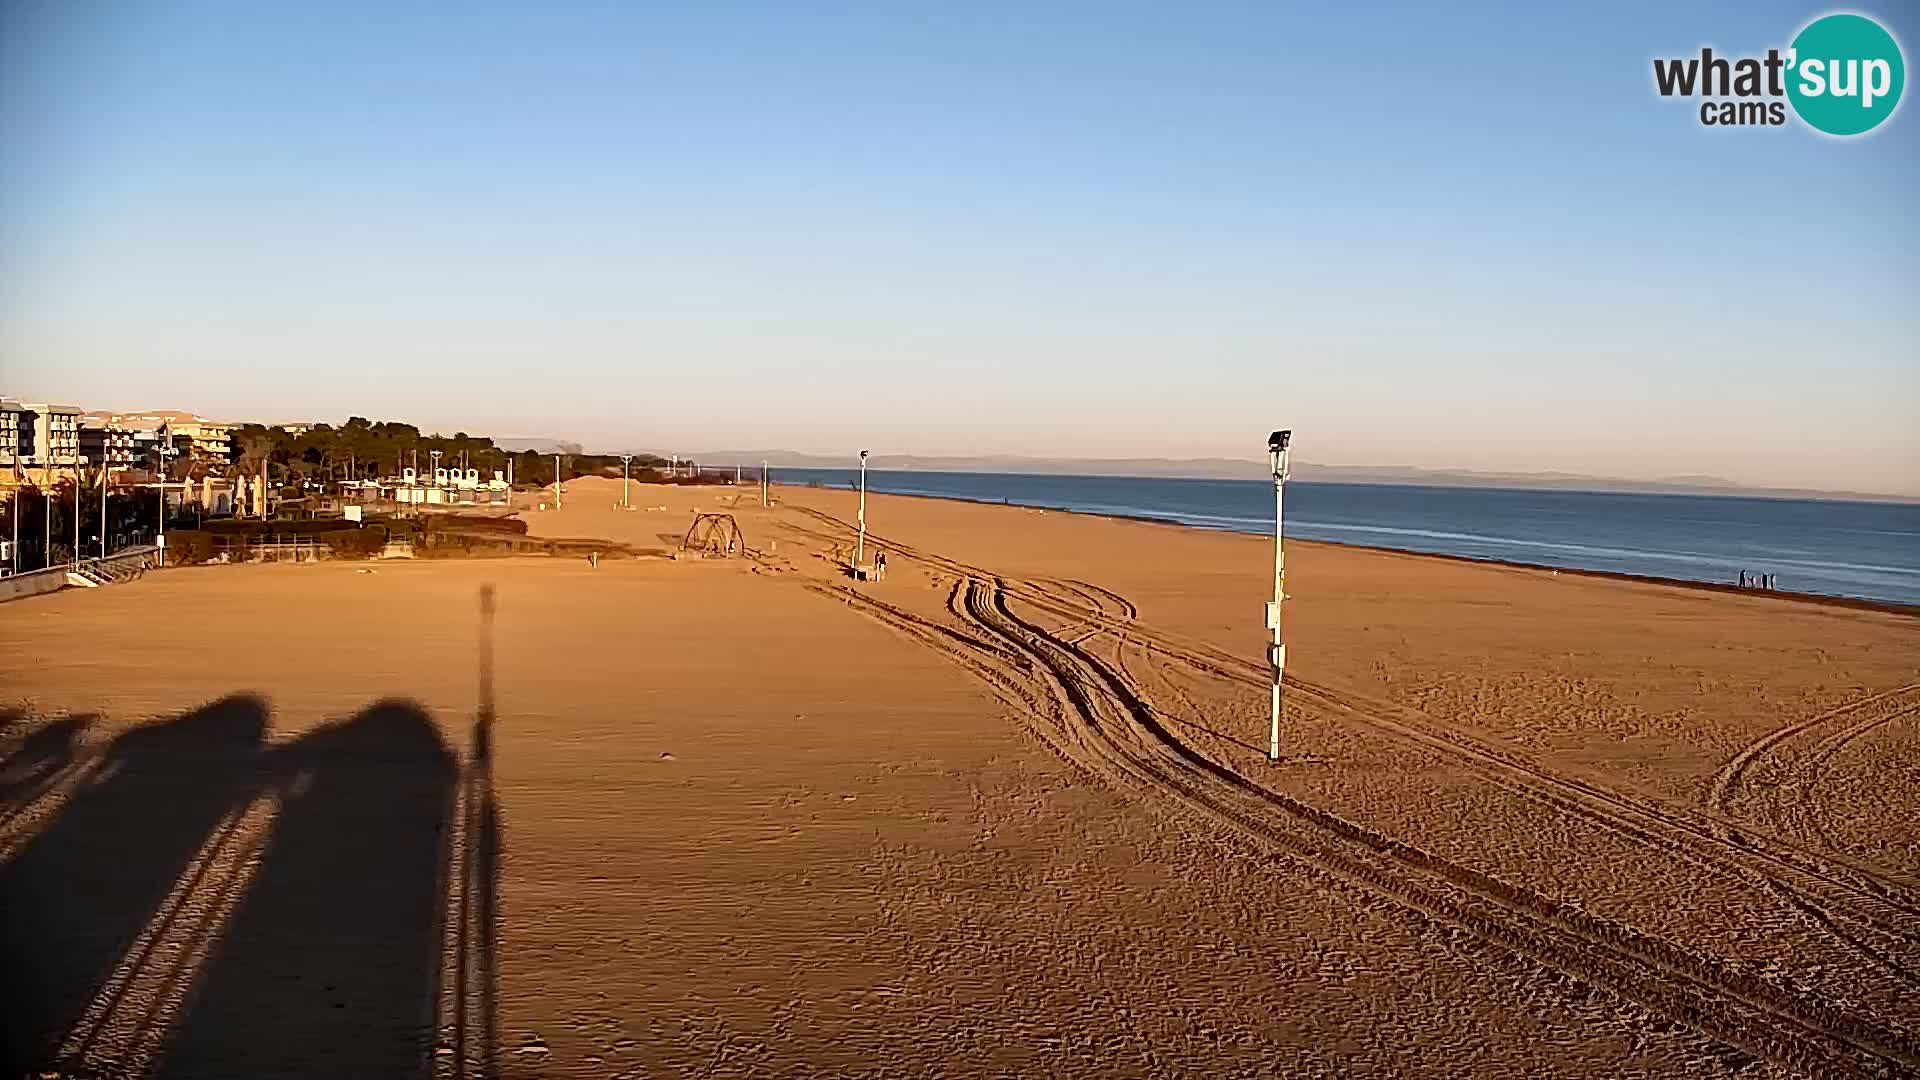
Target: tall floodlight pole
(1277,454)
(103,508)
(860,548)
(626,463)
(763,483)
(76,514)
(556,481)
(165,453)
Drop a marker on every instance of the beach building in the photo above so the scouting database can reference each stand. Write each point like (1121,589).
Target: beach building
(107,445)
(209,441)
(12,415)
(444,487)
(212,441)
(46,440)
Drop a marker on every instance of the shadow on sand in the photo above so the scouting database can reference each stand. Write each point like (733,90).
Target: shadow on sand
(474,1040)
(74,900)
(329,966)
(357,937)
(41,759)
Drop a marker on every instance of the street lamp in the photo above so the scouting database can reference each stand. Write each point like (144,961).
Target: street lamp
(860,548)
(1277,655)
(167,451)
(763,483)
(626,460)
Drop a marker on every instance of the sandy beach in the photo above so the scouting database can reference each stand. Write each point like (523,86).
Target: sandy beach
(1004,813)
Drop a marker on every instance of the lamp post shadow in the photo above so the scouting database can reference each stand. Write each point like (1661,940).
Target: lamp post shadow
(474,1039)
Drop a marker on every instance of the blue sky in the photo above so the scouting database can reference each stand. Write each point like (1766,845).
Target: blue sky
(1459,238)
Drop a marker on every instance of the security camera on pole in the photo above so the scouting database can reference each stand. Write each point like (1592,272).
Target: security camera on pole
(860,548)
(1277,656)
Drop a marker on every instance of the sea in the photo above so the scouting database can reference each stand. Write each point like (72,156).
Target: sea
(1864,550)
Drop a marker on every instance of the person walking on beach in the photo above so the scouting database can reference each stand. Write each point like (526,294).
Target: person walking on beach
(880,565)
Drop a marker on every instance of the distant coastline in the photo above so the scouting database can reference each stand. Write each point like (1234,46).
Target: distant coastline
(1229,469)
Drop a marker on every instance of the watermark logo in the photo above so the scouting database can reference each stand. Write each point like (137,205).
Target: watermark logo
(1842,75)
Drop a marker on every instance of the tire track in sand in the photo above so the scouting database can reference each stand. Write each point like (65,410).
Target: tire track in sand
(1728,781)
(1803,810)
(1798,1017)
(33,810)
(124,1030)
(1859,894)
(1113,735)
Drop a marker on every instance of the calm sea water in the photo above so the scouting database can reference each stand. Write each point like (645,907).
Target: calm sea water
(1869,550)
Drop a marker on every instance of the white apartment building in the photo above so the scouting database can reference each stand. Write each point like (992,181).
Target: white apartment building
(12,418)
(52,440)
(211,441)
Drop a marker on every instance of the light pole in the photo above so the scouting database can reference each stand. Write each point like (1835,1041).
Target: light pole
(1277,455)
(626,463)
(763,483)
(76,514)
(103,506)
(165,453)
(860,548)
(556,481)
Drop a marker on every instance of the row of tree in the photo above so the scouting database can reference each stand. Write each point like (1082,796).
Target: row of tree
(362,449)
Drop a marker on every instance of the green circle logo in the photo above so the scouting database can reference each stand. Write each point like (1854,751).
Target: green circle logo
(1845,74)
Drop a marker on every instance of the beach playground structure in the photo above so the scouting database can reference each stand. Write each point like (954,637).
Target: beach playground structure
(713,536)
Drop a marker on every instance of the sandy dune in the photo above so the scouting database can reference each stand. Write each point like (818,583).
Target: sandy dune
(1004,813)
